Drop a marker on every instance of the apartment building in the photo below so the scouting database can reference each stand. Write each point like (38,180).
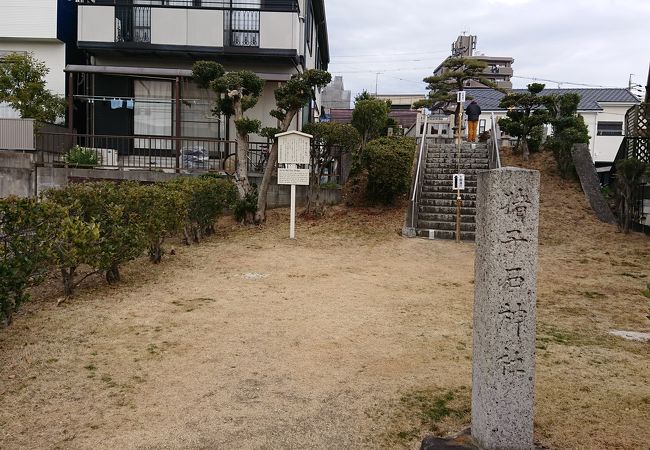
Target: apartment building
(45,28)
(137,76)
(498,70)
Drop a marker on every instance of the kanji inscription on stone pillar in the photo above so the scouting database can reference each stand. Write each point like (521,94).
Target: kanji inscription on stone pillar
(503,374)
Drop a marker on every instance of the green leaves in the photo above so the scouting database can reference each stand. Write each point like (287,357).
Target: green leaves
(296,93)
(456,72)
(389,162)
(22,85)
(370,117)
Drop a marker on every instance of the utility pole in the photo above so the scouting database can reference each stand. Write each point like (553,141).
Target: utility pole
(377,82)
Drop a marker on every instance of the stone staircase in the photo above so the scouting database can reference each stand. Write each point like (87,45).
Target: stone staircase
(436,216)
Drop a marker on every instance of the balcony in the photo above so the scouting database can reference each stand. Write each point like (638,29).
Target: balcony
(190,25)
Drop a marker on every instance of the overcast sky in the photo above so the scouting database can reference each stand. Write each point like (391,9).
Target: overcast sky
(592,42)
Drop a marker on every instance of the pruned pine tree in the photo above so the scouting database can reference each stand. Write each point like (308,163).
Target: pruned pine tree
(526,110)
(290,98)
(236,92)
(458,71)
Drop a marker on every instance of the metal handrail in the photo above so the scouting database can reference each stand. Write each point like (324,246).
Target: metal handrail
(493,148)
(416,181)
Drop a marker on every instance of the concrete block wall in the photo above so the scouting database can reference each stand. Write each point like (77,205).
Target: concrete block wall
(20,176)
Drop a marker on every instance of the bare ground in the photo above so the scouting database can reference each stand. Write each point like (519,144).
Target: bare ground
(351,337)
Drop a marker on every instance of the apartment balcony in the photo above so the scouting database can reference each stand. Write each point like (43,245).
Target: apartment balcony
(191,26)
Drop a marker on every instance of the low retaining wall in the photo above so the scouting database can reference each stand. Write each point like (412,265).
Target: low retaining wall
(20,176)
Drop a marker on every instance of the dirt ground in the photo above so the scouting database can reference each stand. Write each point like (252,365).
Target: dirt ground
(349,337)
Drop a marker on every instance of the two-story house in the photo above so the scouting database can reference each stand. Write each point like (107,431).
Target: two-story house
(137,80)
(44,28)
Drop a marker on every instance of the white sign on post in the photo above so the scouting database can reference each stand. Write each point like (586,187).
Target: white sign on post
(459,182)
(293,150)
(460,96)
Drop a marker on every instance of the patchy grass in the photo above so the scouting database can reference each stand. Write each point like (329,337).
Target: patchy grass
(421,412)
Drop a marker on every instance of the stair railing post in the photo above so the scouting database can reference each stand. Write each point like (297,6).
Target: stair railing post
(459,125)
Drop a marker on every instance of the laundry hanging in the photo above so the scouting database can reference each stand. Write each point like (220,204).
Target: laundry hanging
(116,103)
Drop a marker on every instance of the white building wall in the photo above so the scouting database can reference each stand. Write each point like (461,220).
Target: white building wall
(278,30)
(96,24)
(604,148)
(205,28)
(52,53)
(33,19)
(169,26)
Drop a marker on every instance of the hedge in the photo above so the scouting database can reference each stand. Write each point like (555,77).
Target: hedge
(388,161)
(100,225)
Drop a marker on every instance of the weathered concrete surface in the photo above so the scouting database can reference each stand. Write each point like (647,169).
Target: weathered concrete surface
(19,176)
(16,174)
(590,183)
(503,373)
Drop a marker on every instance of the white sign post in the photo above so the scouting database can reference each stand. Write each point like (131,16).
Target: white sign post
(293,153)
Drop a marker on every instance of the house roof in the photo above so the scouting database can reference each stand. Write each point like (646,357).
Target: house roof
(488,99)
(404,118)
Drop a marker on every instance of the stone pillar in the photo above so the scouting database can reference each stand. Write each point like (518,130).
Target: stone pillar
(504,308)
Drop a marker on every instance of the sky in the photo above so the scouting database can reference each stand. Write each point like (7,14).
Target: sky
(391,46)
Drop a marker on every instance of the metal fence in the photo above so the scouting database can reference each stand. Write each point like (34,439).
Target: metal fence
(16,134)
(137,152)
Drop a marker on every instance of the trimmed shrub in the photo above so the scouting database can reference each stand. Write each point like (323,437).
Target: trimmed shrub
(25,239)
(388,161)
(205,199)
(114,209)
(161,212)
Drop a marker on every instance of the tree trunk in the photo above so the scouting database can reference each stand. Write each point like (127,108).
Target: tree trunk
(67,273)
(155,251)
(314,206)
(113,274)
(241,180)
(186,236)
(525,153)
(260,214)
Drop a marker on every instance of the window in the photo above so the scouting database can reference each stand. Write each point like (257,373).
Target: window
(242,26)
(152,114)
(133,24)
(610,129)
(309,26)
(481,126)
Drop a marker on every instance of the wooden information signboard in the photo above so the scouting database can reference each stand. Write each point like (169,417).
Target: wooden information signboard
(293,151)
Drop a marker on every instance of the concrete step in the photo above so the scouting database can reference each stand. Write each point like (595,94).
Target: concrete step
(443,203)
(471,177)
(445,234)
(442,195)
(465,154)
(470,163)
(464,146)
(454,170)
(447,218)
(465,211)
(446,187)
(450,226)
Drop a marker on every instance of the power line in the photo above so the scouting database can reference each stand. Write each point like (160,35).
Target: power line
(563,82)
(434,52)
(378,61)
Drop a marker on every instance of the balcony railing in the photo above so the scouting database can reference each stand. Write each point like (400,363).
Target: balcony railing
(133,24)
(241,28)
(263,5)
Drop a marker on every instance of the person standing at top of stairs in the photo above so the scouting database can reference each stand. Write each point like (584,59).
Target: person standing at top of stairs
(473,113)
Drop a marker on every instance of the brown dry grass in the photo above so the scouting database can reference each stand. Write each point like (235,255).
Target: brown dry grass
(355,338)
